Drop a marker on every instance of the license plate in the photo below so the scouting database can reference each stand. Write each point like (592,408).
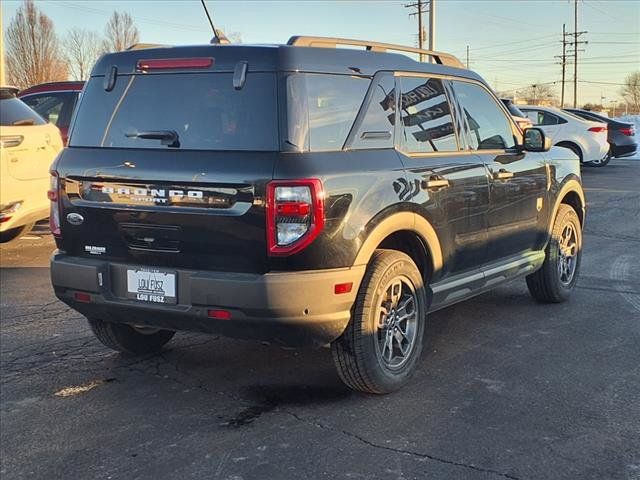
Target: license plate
(151,285)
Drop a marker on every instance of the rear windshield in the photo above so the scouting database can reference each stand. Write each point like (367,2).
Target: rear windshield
(203,109)
(14,112)
(589,116)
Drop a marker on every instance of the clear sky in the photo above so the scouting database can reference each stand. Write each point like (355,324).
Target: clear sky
(512,42)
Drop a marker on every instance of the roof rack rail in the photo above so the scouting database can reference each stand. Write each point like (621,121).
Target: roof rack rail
(329,42)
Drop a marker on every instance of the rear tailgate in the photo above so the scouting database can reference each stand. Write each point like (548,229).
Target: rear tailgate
(192,201)
(200,210)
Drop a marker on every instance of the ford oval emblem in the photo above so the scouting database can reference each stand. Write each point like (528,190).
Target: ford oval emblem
(75,218)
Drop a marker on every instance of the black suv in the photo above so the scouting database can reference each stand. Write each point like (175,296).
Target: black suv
(302,194)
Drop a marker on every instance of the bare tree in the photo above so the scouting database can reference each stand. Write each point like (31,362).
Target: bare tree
(120,32)
(538,93)
(33,53)
(83,47)
(631,90)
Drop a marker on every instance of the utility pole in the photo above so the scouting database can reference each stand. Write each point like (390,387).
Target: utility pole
(467,57)
(432,25)
(563,62)
(420,8)
(575,51)
(575,54)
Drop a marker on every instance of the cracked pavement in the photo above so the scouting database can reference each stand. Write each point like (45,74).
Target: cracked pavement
(506,388)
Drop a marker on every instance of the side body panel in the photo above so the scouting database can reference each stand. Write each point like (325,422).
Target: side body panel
(362,188)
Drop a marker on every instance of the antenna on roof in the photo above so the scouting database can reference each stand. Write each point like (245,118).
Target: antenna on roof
(216,37)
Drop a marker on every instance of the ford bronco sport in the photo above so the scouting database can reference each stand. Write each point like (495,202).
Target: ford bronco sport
(303,194)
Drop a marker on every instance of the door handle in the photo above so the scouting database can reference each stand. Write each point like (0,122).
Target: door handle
(435,182)
(502,174)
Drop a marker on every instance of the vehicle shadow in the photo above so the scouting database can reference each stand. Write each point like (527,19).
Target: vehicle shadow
(263,377)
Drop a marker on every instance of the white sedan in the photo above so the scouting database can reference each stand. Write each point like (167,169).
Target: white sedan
(28,146)
(587,139)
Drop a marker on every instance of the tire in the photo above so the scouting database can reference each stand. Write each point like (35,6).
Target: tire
(553,282)
(127,339)
(360,353)
(15,233)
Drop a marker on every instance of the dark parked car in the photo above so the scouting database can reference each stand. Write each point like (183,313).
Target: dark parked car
(303,194)
(620,135)
(517,114)
(54,102)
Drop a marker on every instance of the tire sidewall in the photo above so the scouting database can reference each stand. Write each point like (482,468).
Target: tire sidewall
(564,215)
(392,379)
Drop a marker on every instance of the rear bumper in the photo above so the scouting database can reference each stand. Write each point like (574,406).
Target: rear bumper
(618,151)
(292,308)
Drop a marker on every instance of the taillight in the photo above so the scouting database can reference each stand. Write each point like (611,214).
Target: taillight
(295,214)
(54,213)
(628,131)
(598,129)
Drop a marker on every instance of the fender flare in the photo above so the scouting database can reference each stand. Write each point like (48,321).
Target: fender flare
(571,185)
(402,221)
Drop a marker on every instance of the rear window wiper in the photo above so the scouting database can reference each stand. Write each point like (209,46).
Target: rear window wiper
(23,122)
(167,137)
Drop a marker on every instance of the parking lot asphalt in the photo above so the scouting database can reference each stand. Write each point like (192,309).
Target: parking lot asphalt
(506,388)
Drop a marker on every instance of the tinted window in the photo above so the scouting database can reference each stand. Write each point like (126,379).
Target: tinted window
(546,118)
(14,112)
(585,116)
(321,109)
(488,126)
(94,110)
(334,101)
(540,117)
(204,110)
(376,128)
(55,108)
(426,116)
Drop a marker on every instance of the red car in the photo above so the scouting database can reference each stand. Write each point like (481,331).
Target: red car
(54,102)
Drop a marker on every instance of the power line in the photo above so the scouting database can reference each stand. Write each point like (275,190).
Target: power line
(83,7)
(528,40)
(600,83)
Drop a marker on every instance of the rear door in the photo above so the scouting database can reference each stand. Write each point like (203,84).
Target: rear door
(518,179)
(193,197)
(552,125)
(448,184)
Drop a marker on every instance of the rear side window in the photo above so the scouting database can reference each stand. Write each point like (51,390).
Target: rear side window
(488,127)
(539,117)
(426,116)
(321,109)
(203,109)
(14,112)
(378,121)
(55,107)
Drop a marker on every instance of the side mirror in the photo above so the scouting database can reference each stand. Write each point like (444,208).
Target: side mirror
(536,141)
